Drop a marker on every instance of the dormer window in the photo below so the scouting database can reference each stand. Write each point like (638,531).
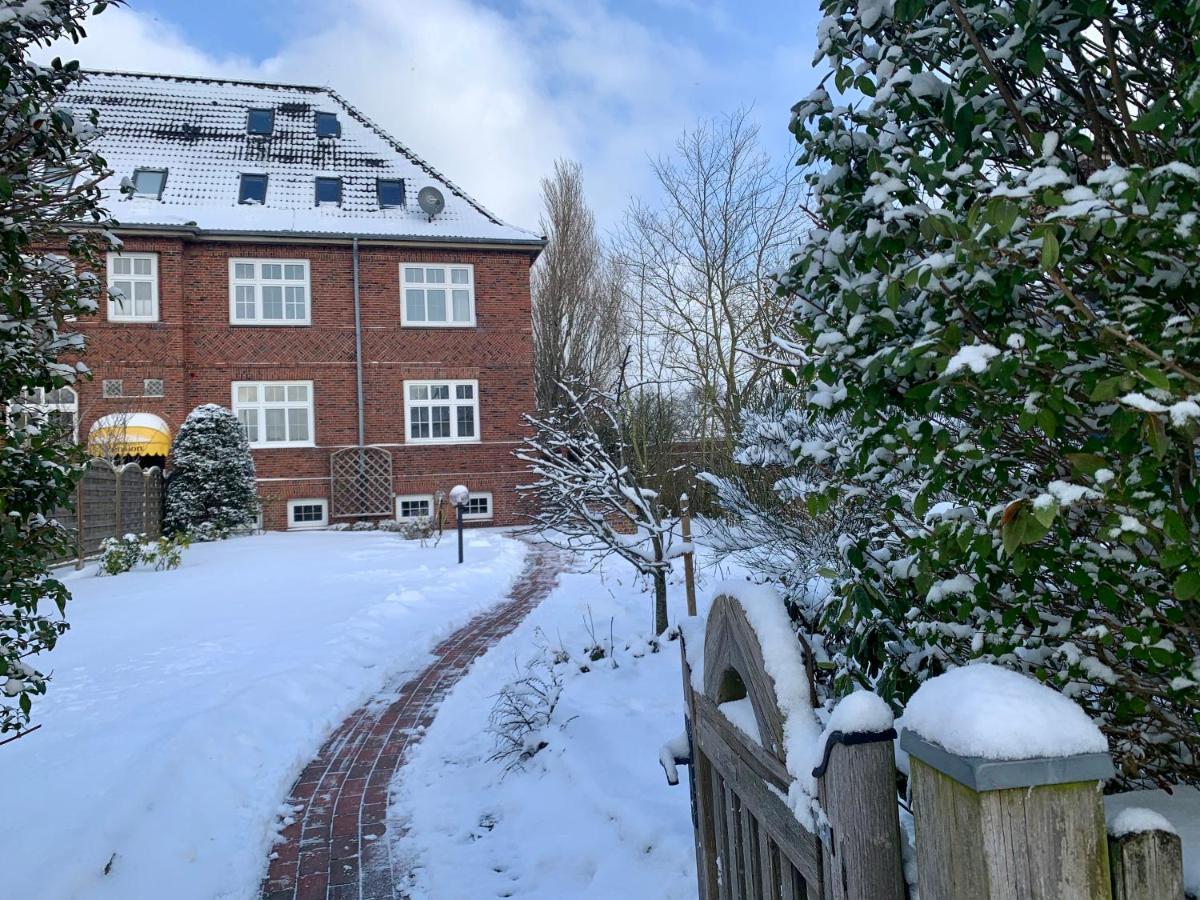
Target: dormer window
(390,192)
(260,121)
(253,189)
(149,182)
(328,125)
(329,190)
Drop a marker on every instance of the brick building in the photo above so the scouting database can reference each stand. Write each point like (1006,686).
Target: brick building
(285,257)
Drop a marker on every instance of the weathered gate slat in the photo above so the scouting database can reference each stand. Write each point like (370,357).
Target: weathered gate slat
(798,844)
(771,867)
(762,764)
(732,834)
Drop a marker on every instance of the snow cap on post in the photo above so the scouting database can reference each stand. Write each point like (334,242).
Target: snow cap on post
(991,728)
(459,495)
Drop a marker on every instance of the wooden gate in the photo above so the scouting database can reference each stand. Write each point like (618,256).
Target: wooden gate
(750,845)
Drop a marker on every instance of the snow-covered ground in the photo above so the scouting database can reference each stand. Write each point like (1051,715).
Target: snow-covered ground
(591,814)
(184,703)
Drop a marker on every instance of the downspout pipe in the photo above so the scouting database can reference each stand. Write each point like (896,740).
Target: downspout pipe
(358,356)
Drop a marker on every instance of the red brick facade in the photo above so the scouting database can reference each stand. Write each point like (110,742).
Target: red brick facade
(199,354)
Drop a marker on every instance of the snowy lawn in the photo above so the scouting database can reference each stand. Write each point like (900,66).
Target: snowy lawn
(591,814)
(184,703)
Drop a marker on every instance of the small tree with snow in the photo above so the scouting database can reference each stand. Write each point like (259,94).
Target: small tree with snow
(1000,304)
(211,491)
(48,186)
(587,498)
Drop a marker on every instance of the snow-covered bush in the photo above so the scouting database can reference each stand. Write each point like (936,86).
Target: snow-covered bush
(166,552)
(119,555)
(211,492)
(48,186)
(587,497)
(523,711)
(999,307)
(126,553)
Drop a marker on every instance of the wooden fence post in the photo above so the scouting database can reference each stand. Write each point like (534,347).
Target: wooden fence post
(1030,829)
(117,501)
(856,787)
(79,519)
(689,558)
(1146,865)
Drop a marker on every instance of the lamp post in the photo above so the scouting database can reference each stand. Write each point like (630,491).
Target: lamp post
(459,496)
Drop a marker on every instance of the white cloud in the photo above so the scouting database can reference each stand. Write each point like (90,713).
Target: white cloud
(489,99)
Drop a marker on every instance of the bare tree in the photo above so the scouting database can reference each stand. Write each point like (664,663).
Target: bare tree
(698,265)
(576,294)
(587,497)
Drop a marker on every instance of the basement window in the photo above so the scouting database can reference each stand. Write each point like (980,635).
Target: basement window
(312,513)
(478,507)
(329,190)
(253,189)
(416,506)
(390,192)
(260,121)
(327,125)
(149,182)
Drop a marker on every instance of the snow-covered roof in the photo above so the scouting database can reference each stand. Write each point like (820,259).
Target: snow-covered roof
(196,129)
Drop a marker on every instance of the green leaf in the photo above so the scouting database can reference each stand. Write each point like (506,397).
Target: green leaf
(1087,463)
(1013,533)
(1107,389)
(1187,585)
(1036,58)
(1048,422)
(1045,514)
(1050,250)
(1156,377)
(1155,116)
(964,125)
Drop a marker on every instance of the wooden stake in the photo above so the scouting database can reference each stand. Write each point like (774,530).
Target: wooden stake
(689,561)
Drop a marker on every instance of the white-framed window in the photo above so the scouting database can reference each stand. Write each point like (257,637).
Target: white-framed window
(414,506)
(441,412)
(133,287)
(478,507)
(269,292)
(437,296)
(58,409)
(275,413)
(309,513)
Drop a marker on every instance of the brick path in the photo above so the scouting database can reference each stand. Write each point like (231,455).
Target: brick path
(336,848)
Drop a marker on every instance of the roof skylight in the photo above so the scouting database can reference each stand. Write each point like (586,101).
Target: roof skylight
(390,192)
(149,182)
(253,189)
(329,190)
(260,121)
(327,125)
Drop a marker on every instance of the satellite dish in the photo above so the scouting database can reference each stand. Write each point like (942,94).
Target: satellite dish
(431,201)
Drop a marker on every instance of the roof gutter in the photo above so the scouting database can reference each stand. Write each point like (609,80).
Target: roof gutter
(358,355)
(533,245)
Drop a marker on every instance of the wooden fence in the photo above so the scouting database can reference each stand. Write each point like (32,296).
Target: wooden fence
(985,829)
(111,501)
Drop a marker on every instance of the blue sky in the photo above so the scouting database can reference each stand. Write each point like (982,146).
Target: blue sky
(492,91)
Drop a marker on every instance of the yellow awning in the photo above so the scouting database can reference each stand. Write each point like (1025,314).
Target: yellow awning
(132,434)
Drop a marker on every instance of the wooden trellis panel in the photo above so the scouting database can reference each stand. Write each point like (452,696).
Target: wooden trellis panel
(361,482)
